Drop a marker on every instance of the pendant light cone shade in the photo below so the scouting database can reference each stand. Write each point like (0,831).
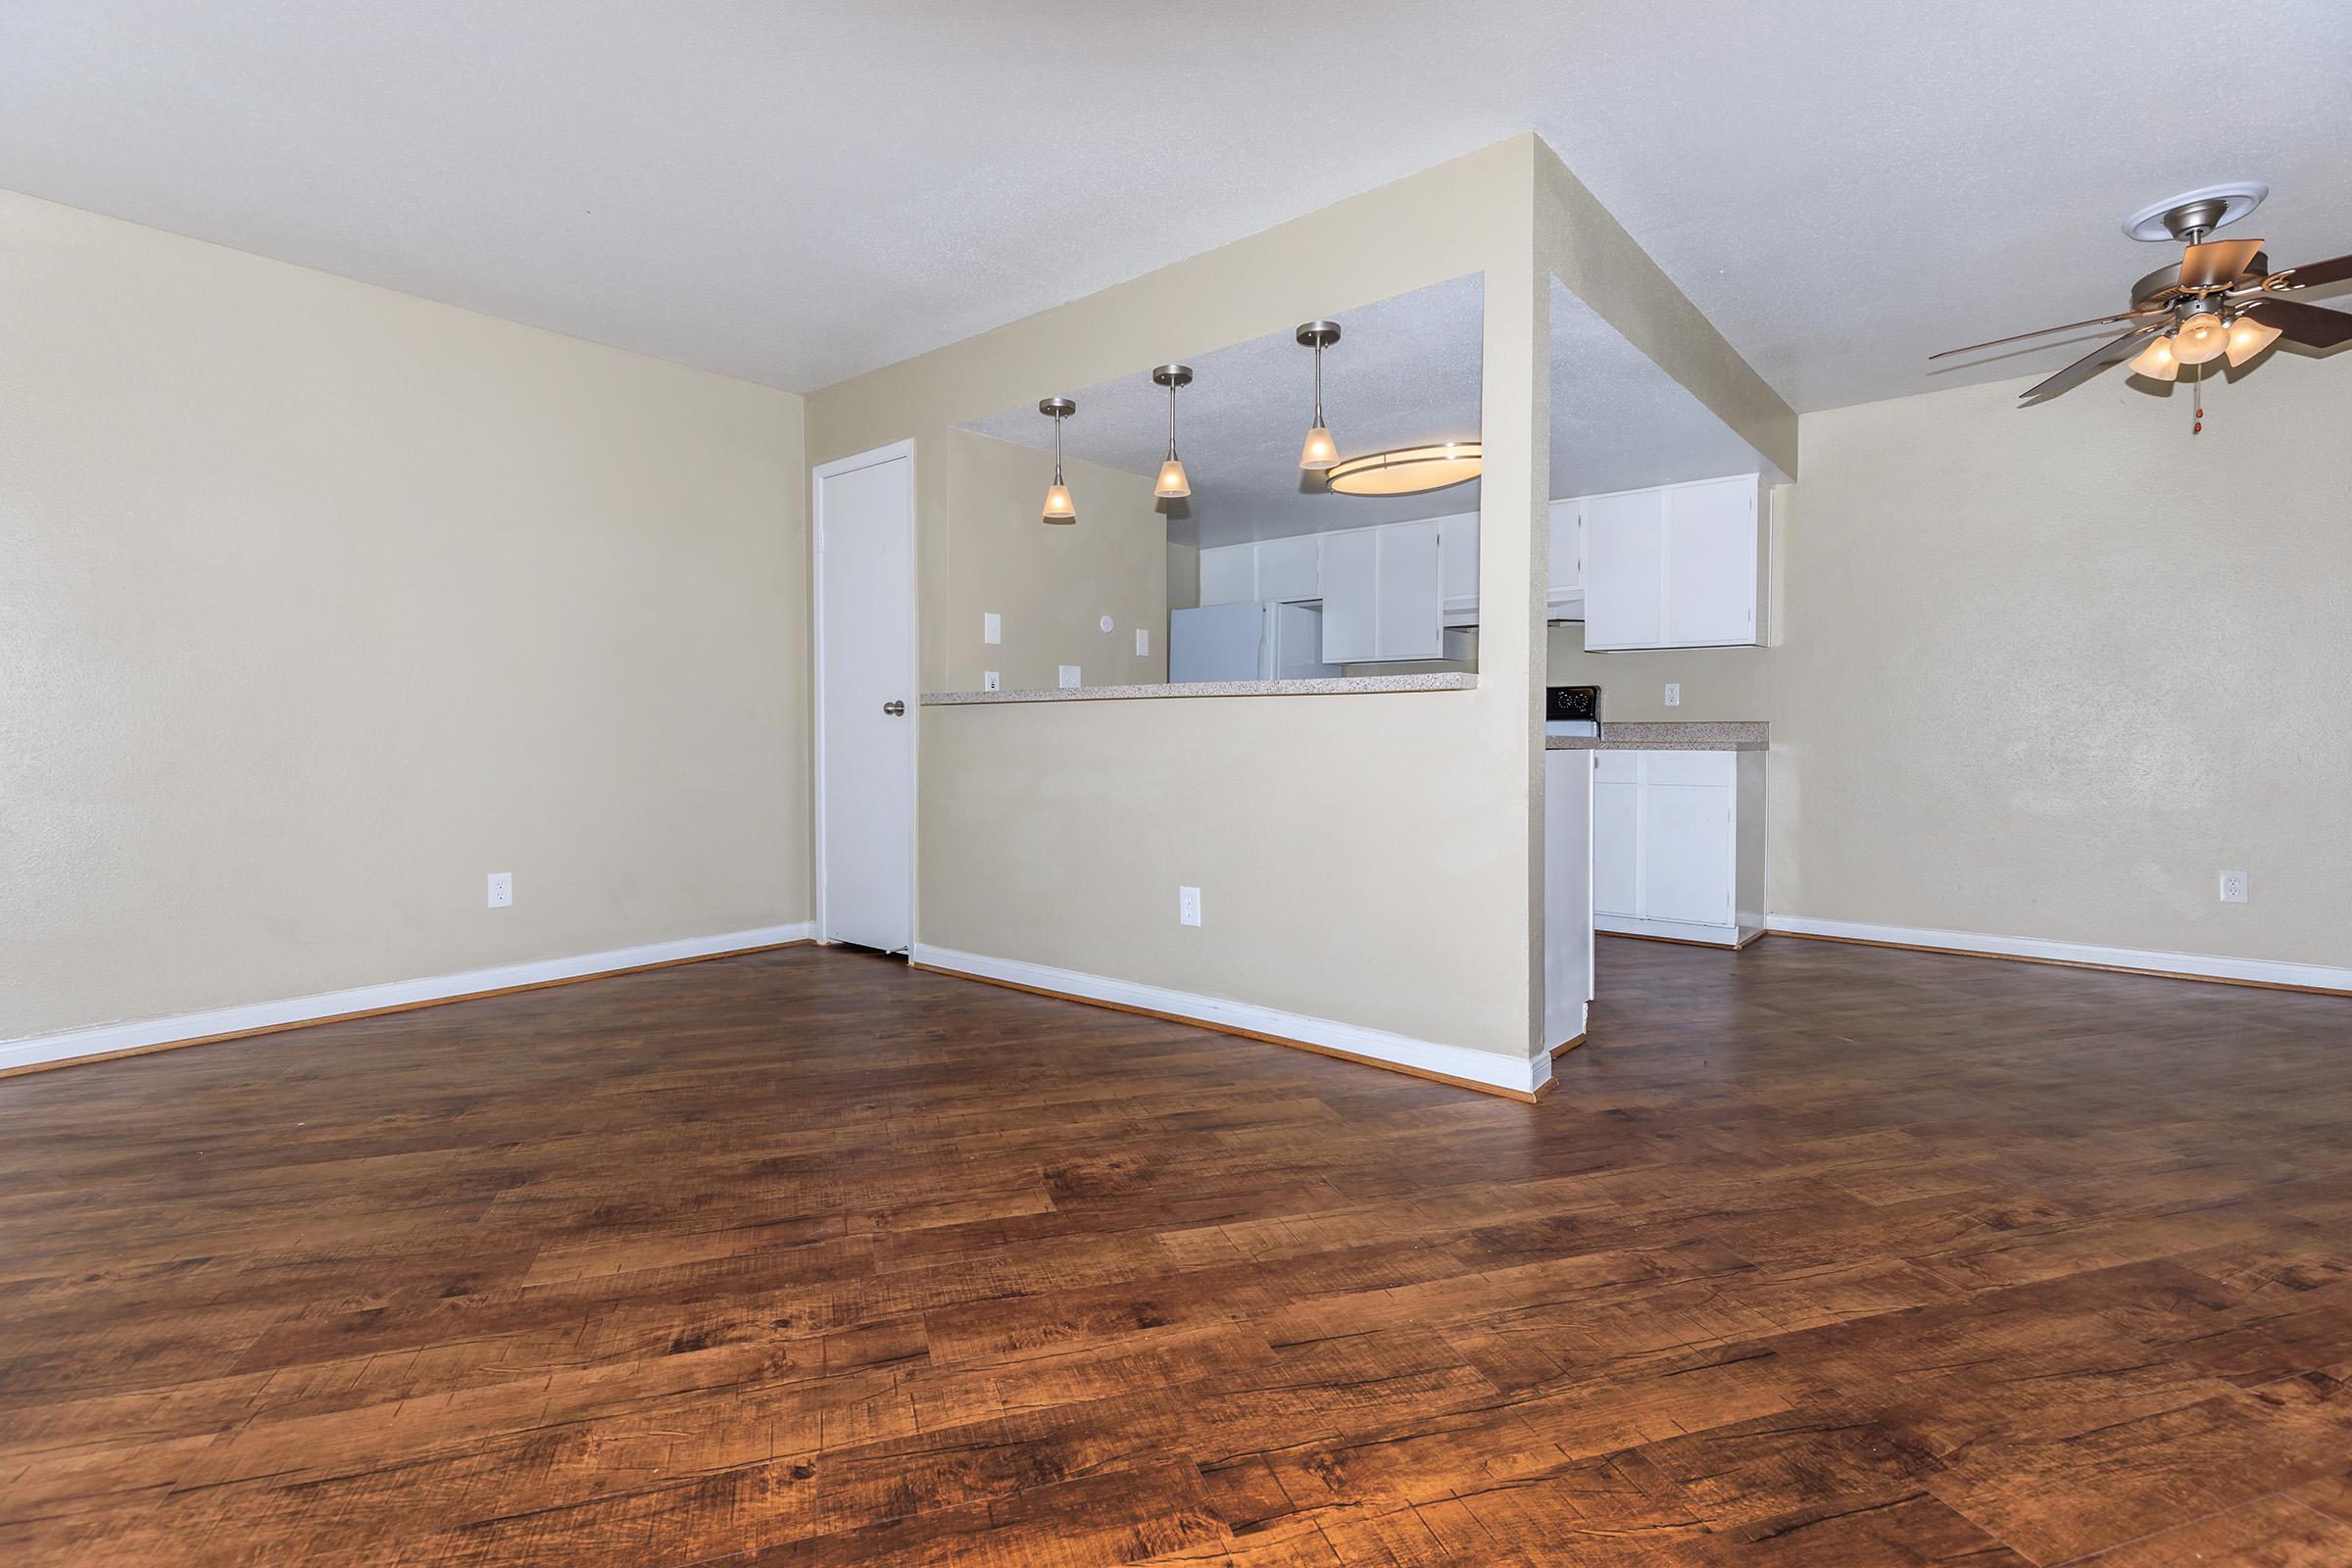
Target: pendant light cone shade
(2157,361)
(1058,506)
(2249,337)
(1320,451)
(2200,338)
(1172,485)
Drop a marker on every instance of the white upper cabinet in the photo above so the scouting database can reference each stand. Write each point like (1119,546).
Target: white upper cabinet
(1457,568)
(1291,569)
(1228,574)
(1381,593)
(1625,569)
(1679,566)
(1564,583)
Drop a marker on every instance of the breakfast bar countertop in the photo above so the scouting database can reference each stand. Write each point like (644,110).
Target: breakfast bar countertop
(1730,735)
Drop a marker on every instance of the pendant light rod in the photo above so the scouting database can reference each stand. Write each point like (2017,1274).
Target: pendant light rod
(1058,506)
(1172,485)
(1320,451)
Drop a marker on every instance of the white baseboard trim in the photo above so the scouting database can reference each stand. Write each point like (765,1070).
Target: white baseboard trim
(1378,1045)
(1708,936)
(107,1039)
(2203,966)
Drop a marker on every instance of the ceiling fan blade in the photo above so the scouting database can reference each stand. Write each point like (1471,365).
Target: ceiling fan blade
(2216,262)
(2096,321)
(2092,364)
(2311,274)
(2307,325)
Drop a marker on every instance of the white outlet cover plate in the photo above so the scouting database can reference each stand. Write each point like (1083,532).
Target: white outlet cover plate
(992,626)
(1143,639)
(1188,905)
(502,889)
(2234,887)
(1673,694)
(991,681)
(1069,674)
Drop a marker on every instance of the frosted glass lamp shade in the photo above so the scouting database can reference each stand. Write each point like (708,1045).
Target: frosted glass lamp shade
(1173,485)
(1320,451)
(2200,338)
(2157,361)
(1058,506)
(2249,337)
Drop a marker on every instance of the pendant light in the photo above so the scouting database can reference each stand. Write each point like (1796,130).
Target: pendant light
(1059,508)
(1320,451)
(1172,484)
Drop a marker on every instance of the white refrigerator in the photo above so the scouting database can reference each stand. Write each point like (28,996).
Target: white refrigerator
(1248,639)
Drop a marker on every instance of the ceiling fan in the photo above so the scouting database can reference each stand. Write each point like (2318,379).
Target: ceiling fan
(2223,299)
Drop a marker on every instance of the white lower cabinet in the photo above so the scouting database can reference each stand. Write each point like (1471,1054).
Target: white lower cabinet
(1678,846)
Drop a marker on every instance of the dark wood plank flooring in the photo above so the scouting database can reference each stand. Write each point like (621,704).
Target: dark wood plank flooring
(1819,1256)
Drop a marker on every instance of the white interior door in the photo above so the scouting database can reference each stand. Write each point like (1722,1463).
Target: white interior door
(864,524)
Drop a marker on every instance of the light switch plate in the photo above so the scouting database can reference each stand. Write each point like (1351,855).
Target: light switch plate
(991,681)
(1143,639)
(992,626)
(2234,887)
(1069,674)
(1673,694)
(502,889)
(1188,905)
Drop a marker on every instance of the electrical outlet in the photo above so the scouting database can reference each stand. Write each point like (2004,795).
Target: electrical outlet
(991,681)
(1143,639)
(502,889)
(1673,694)
(2234,887)
(1188,905)
(1069,674)
(992,626)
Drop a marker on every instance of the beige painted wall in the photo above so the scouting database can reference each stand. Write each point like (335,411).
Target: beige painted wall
(318,603)
(1374,860)
(1051,583)
(1049,834)
(2046,672)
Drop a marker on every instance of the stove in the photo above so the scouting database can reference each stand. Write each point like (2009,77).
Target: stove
(1572,710)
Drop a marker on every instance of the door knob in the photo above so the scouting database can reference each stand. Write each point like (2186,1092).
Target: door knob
(895,709)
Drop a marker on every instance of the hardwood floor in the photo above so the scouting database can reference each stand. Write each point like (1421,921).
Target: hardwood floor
(1820,1256)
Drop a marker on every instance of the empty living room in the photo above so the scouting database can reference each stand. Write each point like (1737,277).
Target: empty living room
(1126,786)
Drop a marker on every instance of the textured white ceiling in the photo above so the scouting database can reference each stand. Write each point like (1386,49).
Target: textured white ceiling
(1405,370)
(795,191)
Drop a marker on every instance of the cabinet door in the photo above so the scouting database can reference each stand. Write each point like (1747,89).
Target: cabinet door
(1289,568)
(1616,837)
(1458,561)
(1625,569)
(1687,853)
(1409,621)
(1566,575)
(1711,558)
(1350,595)
(1228,574)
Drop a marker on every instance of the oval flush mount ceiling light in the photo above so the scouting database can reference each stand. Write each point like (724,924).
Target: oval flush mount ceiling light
(1320,451)
(1059,506)
(1172,485)
(1407,470)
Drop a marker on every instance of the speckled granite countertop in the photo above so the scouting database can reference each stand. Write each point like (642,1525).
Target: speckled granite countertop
(1737,735)
(1211,688)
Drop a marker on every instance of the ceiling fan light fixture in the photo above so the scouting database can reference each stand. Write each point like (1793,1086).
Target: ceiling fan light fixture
(2157,361)
(2249,337)
(2199,339)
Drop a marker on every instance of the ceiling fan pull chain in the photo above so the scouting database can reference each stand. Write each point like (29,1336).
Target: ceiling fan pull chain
(2198,386)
